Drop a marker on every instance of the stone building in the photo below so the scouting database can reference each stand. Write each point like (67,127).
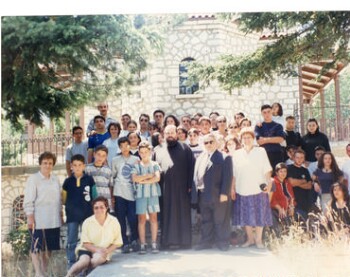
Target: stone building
(203,39)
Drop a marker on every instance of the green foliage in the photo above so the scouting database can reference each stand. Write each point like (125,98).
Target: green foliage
(20,240)
(54,63)
(306,37)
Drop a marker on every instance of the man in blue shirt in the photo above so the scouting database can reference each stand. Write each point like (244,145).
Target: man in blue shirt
(270,135)
(99,137)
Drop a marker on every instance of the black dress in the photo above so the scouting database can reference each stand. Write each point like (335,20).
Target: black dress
(341,216)
(177,165)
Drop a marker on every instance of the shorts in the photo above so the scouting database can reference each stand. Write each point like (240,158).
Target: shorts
(147,204)
(84,252)
(45,239)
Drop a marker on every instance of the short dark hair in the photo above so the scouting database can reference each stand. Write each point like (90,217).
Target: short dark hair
(291,146)
(240,113)
(116,125)
(47,156)
(100,199)
(214,113)
(290,117)
(265,106)
(78,157)
(280,109)
(99,117)
(144,115)
(319,147)
(126,114)
(159,111)
(123,140)
(76,128)
(132,122)
(101,148)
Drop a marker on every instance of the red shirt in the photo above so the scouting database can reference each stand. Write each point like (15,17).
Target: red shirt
(278,196)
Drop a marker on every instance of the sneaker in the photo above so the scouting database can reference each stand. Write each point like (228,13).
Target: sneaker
(134,246)
(126,249)
(155,248)
(142,249)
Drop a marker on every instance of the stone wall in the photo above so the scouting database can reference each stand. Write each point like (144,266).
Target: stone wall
(13,181)
(204,41)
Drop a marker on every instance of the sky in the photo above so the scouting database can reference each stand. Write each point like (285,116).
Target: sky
(64,7)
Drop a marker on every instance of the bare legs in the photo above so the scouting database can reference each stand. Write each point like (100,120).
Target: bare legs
(84,262)
(251,239)
(40,262)
(142,227)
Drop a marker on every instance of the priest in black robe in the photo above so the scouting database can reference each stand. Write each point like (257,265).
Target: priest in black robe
(177,165)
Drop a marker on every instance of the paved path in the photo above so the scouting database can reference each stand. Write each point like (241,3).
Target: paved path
(213,263)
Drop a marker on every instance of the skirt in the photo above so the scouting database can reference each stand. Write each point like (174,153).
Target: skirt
(252,210)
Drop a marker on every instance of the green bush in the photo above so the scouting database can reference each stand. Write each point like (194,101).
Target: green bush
(20,240)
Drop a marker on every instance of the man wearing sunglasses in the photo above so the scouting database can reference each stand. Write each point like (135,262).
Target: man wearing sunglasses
(212,186)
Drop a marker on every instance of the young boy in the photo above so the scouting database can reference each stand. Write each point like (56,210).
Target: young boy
(77,193)
(125,207)
(147,175)
(102,175)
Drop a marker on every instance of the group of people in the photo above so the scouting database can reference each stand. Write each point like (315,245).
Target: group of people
(175,171)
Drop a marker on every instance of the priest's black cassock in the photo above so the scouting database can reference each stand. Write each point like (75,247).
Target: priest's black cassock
(177,164)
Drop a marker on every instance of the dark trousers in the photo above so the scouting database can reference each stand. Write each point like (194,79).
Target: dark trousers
(125,209)
(215,222)
(275,158)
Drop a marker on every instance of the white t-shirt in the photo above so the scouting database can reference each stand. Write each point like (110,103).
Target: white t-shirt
(250,169)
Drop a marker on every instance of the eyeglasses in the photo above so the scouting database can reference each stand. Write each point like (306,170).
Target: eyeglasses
(143,120)
(209,142)
(99,207)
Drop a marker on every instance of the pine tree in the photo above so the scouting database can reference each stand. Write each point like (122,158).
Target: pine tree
(297,38)
(54,63)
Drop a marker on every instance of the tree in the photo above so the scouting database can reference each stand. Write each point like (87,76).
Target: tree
(54,63)
(298,37)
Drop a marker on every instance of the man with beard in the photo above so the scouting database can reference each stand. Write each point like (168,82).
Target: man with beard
(177,163)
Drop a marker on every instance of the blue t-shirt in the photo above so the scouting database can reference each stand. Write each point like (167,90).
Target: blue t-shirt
(268,130)
(97,139)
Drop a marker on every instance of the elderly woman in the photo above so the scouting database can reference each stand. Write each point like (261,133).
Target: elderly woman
(42,205)
(252,174)
(100,236)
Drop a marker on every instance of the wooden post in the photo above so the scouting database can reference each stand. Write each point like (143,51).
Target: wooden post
(67,118)
(82,119)
(301,102)
(322,107)
(338,108)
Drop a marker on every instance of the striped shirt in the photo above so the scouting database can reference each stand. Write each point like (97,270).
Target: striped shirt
(146,190)
(103,180)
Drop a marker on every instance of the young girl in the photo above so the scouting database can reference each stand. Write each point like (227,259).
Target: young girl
(146,175)
(325,175)
(134,139)
(339,206)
